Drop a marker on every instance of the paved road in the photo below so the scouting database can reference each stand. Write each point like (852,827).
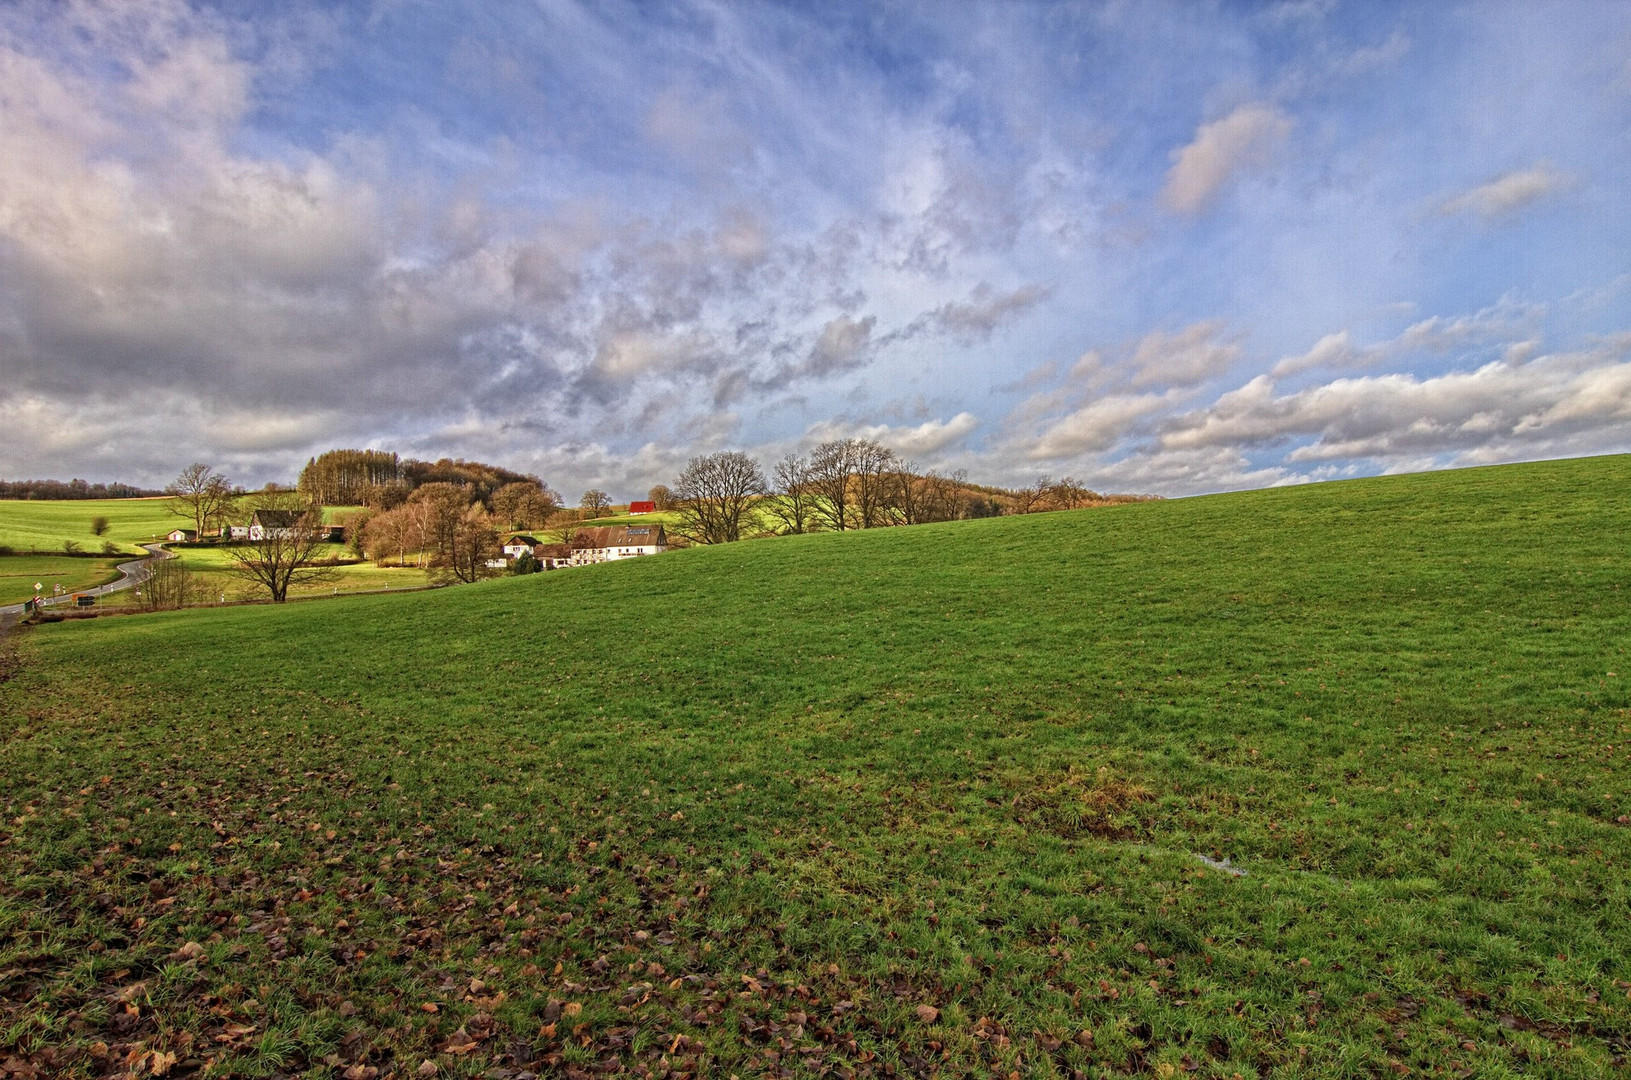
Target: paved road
(131,574)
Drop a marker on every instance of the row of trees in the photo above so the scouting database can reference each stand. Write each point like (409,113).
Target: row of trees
(840,485)
(454,526)
(70,489)
(443,526)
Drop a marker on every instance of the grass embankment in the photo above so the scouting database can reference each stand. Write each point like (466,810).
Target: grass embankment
(912,800)
(18,574)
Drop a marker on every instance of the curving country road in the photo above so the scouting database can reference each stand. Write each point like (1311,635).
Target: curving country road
(131,574)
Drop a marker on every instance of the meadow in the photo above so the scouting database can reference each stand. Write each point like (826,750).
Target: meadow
(43,524)
(213,570)
(1325,781)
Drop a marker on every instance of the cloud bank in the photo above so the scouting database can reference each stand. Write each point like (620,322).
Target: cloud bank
(591,244)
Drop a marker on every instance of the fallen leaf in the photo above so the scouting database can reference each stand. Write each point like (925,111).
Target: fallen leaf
(928,1013)
(190,951)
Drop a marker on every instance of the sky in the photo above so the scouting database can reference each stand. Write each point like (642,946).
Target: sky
(1159,248)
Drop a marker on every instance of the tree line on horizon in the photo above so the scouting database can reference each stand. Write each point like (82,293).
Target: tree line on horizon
(846,484)
(450,516)
(380,480)
(66,490)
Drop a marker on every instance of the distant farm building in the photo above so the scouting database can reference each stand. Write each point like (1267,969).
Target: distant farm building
(273,524)
(646,507)
(180,536)
(553,556)
(518,546)
(606,543)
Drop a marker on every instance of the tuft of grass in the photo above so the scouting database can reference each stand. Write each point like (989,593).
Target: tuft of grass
(1079,804)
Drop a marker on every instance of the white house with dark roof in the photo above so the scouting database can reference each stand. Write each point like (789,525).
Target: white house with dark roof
(607,543)
(275,524)
(519,545)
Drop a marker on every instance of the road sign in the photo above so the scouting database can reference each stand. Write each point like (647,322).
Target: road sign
(38,586)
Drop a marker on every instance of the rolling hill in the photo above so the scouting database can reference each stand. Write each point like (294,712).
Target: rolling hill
(1320,781)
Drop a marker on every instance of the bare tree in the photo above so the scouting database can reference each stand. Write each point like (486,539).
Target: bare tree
(474,544)
(661,497)
(1070,493)
(904,493)
(595,501)
(290,549)
(386,534)
(524,504)
(714,494)
(562,526)
(1033,497)
(875,464)
(168,585)
(832,466)
(201,494)
(440,506)
(794,504)
(939,500)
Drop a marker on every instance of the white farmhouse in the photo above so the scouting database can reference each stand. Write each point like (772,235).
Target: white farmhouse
(519,545)
(274,524)
(606,543)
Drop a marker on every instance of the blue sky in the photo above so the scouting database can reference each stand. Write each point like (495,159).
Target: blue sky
(1159,248)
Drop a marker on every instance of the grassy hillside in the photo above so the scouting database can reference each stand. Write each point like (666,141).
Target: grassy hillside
(903,801)
(42,525)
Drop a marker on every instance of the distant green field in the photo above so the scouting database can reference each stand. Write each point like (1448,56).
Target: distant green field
(42,525)
(213,565)
(910,802)
(19,573)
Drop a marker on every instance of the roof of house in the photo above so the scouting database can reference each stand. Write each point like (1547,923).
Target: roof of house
(644,507)
(277,519)
(188,533)
(552,551)
(530,541)
(611,536)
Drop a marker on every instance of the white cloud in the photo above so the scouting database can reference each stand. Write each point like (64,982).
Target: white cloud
(975,318)
(929,437)
(1190,356)
(1240,142)
(1099,425)
(1530,403)
(1331,351)
(1509,192)
(841,345)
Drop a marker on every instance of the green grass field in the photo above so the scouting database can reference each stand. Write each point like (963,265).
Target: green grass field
(213,567)
(925,801)
(19,573)
(42,525)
